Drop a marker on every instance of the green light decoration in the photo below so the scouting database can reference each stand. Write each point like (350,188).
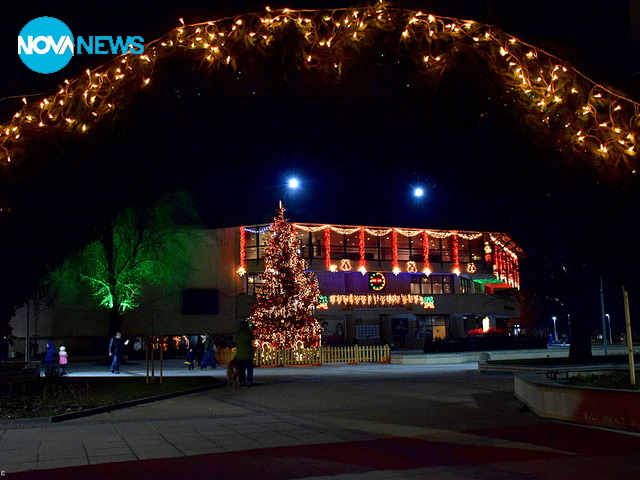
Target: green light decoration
(428,301)
(139,248)
(576,113)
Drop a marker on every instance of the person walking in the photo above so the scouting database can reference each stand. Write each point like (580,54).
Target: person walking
(63,359)
(200,349)
(49,360)
(190,360)
(210,350)
(244,353)
(115,352)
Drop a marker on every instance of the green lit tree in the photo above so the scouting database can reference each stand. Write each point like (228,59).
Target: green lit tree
(142,246)
(282,315)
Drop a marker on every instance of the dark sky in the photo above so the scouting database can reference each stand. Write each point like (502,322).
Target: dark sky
(361,162)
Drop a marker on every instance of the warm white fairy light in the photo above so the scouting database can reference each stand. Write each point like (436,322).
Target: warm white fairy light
(543,80)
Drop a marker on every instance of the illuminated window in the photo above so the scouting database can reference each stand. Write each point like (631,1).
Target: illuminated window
(465,285)
(253,283)
(432,285)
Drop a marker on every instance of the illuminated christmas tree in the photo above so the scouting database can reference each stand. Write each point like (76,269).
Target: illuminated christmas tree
(282,315)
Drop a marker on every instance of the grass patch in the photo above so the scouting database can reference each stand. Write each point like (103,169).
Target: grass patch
(48,396)
(616,380)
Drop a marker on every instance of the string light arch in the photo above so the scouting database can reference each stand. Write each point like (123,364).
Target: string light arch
(585,117)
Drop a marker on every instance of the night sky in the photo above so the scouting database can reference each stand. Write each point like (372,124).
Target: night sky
(357,150)
(357,159)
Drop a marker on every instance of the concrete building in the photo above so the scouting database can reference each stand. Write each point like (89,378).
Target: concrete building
(378,286)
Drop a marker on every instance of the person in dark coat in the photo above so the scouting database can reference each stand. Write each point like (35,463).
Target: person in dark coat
(50,360)
(190,360)
(244,353)
(200,349)
(115,352)
(210,350)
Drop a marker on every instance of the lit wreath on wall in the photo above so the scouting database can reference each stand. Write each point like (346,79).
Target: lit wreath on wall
(377,281)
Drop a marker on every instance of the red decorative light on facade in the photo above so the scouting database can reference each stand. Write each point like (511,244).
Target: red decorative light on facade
(327,246)
(456,255)
(243,267)
(394,251)
(487,252)
(361,245)
(425,252)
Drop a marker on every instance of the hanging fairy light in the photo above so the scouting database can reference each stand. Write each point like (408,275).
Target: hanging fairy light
(327,248)
(242,268)
(456,255)
(425,252)
(376,300)
(361,250)
(584,116)
(394,251)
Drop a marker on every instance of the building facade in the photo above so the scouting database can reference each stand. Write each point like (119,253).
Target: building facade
(398,286)
(378,285)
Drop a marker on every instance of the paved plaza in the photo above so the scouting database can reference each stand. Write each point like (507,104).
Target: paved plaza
(363,422)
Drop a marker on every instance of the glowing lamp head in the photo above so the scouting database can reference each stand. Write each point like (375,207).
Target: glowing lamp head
(294,183)
(418,192)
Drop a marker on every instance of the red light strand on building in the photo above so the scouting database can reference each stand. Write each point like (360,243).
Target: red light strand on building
(361,244)
(243,266)
(394,248)
(327,246)
(456,255)
(425,251)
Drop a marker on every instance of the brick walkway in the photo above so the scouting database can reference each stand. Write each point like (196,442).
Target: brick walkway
(338,421)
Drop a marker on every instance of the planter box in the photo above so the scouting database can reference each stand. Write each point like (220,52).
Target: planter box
(616,409)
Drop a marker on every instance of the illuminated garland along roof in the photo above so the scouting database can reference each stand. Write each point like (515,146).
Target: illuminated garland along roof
(580,114)
(503,240)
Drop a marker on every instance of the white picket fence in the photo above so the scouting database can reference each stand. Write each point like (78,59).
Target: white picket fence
(312,356)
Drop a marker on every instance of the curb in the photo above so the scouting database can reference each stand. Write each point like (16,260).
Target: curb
(132,403)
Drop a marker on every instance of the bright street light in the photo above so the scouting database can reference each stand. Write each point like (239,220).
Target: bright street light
(555,332)
(293,183)
(418,192)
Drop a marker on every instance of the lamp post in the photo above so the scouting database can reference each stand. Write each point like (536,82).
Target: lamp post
(609,324)
(555,332)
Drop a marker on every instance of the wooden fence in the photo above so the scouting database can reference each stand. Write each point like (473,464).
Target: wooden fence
(312,356)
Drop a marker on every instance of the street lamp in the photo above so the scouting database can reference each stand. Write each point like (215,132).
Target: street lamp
(555,332)
(418,192)
(609,322)
(294,183)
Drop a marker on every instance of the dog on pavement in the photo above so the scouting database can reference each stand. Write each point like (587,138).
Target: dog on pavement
(233,373)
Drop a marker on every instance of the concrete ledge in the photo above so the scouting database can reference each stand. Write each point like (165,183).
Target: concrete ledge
(616,409)
(560,351)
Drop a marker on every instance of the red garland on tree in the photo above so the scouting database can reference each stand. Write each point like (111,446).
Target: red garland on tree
(282,315)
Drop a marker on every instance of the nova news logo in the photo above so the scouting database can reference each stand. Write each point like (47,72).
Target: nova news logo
(46,45)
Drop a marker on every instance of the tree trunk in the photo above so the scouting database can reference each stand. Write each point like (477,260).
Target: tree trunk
(580,348)
(583,308)
(115,321)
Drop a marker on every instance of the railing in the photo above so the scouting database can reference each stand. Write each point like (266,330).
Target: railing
(312,356)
